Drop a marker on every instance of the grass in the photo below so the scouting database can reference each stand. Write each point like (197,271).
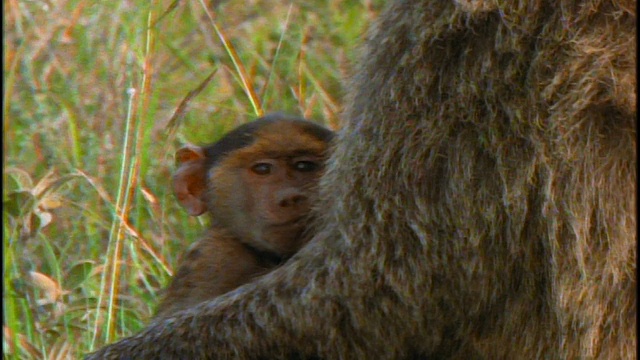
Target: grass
(97,97)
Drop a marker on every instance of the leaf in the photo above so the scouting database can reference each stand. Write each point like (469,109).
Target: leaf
(40,219)
(171,7)
(53,309)
(84,303)
(20,287)
(21,177)
(148,195)
(61,350)
(49,185)
(53,201)
(24,345)
(178,114)
(44,182)
(19,203)
(78,273)
(79,310)
(49,287)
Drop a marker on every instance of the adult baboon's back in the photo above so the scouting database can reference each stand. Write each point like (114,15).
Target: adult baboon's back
(480,200)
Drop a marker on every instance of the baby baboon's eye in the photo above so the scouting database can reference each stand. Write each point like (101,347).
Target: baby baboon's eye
(261,168)
(306,166)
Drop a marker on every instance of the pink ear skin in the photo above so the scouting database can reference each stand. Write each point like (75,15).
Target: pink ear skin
(188,153)
(189,181)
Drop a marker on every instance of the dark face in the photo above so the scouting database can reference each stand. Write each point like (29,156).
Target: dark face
(278,193)
(258,182)
(264,191)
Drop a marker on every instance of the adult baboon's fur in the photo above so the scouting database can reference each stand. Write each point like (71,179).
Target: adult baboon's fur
(480,201)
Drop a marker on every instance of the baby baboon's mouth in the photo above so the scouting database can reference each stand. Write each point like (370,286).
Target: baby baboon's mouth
(292,222)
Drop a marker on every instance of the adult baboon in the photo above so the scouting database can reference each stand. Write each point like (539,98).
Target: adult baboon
(480,201)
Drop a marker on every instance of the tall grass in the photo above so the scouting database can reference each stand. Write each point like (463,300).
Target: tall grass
(97,97)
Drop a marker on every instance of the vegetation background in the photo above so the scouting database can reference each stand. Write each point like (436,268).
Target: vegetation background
(97,97)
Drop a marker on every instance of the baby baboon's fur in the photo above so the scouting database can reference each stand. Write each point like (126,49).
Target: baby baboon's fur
(258,183)
(480,201)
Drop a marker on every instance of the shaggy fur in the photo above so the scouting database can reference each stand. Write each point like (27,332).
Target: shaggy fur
(480,202)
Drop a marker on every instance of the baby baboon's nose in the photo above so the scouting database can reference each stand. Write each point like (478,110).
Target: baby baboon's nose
(292,199)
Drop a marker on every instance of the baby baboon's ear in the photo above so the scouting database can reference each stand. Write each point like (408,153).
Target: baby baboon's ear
(190,179)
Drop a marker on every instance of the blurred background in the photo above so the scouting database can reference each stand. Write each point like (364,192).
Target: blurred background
(97,96)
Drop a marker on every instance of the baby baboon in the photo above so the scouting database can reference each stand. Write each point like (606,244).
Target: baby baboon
(479,202)
(258,183)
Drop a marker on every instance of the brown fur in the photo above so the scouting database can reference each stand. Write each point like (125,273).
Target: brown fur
(480,202)
(258,220)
